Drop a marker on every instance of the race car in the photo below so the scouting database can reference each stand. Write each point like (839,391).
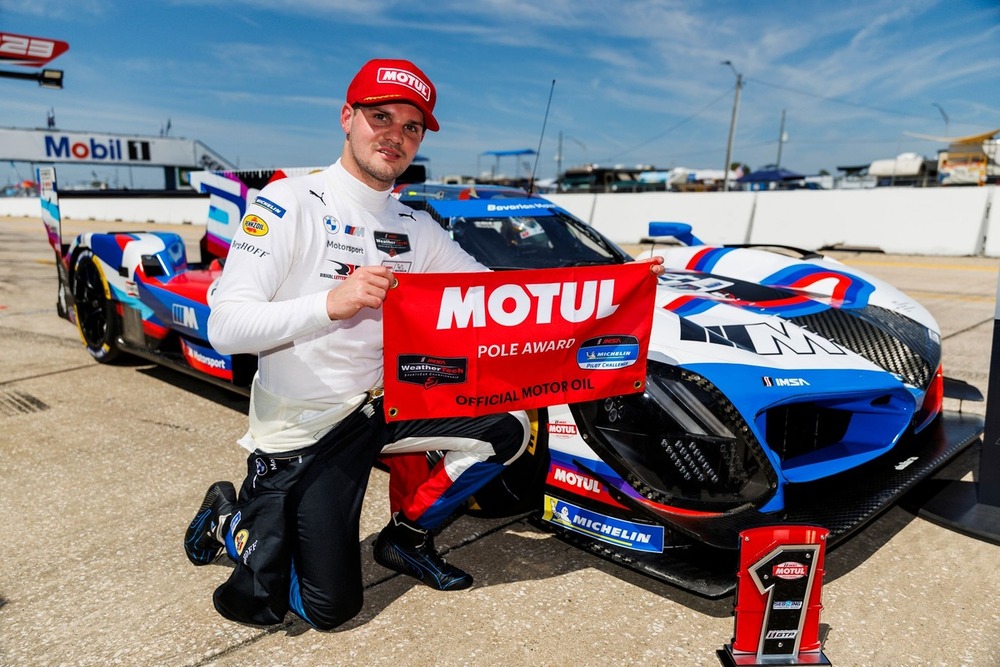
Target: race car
(783,386)
(137,293)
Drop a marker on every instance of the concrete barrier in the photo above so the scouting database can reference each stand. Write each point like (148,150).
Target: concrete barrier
(915,221)
(20,207)
(920,221)
(191,209)
(954,221)
(624,217)
(175,210)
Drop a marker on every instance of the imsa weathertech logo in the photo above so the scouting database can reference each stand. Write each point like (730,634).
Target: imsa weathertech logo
(431,371)
(790,570)
(392,243)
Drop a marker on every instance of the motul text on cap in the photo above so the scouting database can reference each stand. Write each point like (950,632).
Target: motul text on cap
(391,81)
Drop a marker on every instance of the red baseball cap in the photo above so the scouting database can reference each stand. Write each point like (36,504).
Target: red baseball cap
(391,81)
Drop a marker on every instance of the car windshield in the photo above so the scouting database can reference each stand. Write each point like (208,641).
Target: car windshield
(532,242)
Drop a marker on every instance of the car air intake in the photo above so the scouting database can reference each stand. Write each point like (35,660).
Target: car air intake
(892,341)
(681,443)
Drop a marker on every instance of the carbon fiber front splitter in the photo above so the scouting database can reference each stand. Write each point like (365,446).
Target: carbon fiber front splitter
(842,504)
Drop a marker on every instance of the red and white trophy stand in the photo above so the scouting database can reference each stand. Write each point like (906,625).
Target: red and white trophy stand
(778,598)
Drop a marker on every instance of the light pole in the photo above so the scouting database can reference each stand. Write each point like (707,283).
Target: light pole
(732,125)
(47,78)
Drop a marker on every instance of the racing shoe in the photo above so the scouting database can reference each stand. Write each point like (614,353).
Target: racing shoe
(409,550)
(205,539)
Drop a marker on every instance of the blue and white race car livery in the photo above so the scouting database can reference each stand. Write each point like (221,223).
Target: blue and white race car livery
(784,387)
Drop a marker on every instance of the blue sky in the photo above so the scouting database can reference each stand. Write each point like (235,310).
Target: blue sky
(636,82)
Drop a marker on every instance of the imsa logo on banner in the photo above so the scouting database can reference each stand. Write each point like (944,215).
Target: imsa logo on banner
(606,352)
(430,371)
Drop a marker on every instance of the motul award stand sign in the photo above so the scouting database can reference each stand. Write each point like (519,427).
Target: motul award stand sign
(778,597)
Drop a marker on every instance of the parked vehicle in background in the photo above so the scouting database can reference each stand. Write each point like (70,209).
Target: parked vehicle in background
(593,178)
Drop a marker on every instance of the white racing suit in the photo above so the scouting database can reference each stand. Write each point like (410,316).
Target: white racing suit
(314,429)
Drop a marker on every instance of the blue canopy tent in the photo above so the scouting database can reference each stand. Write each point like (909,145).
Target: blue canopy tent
(499,154)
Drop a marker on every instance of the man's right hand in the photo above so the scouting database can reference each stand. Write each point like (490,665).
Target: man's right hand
(365,288)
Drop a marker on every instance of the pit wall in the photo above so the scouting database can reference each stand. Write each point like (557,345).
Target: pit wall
(919,221)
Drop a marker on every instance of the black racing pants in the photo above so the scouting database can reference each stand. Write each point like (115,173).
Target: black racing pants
(294,537)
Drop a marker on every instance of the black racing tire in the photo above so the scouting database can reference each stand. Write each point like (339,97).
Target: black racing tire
(96,318)
(519,487)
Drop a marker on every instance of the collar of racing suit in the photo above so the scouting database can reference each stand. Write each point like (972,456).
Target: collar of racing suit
(359,193)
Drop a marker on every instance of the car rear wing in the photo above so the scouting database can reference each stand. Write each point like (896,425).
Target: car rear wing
(49,196)
(229,194)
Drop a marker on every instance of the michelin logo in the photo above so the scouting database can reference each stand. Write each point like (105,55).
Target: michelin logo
(619,532)
(269,205)
(608,352)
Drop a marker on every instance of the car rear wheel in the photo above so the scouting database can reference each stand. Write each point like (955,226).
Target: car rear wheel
(95,311)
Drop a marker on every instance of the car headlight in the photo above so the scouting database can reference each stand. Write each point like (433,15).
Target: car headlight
(680,443)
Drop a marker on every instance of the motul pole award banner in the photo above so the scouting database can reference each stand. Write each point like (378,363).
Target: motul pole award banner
(469,344)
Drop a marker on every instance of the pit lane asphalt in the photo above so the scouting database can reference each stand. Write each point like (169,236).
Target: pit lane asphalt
(104,465)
